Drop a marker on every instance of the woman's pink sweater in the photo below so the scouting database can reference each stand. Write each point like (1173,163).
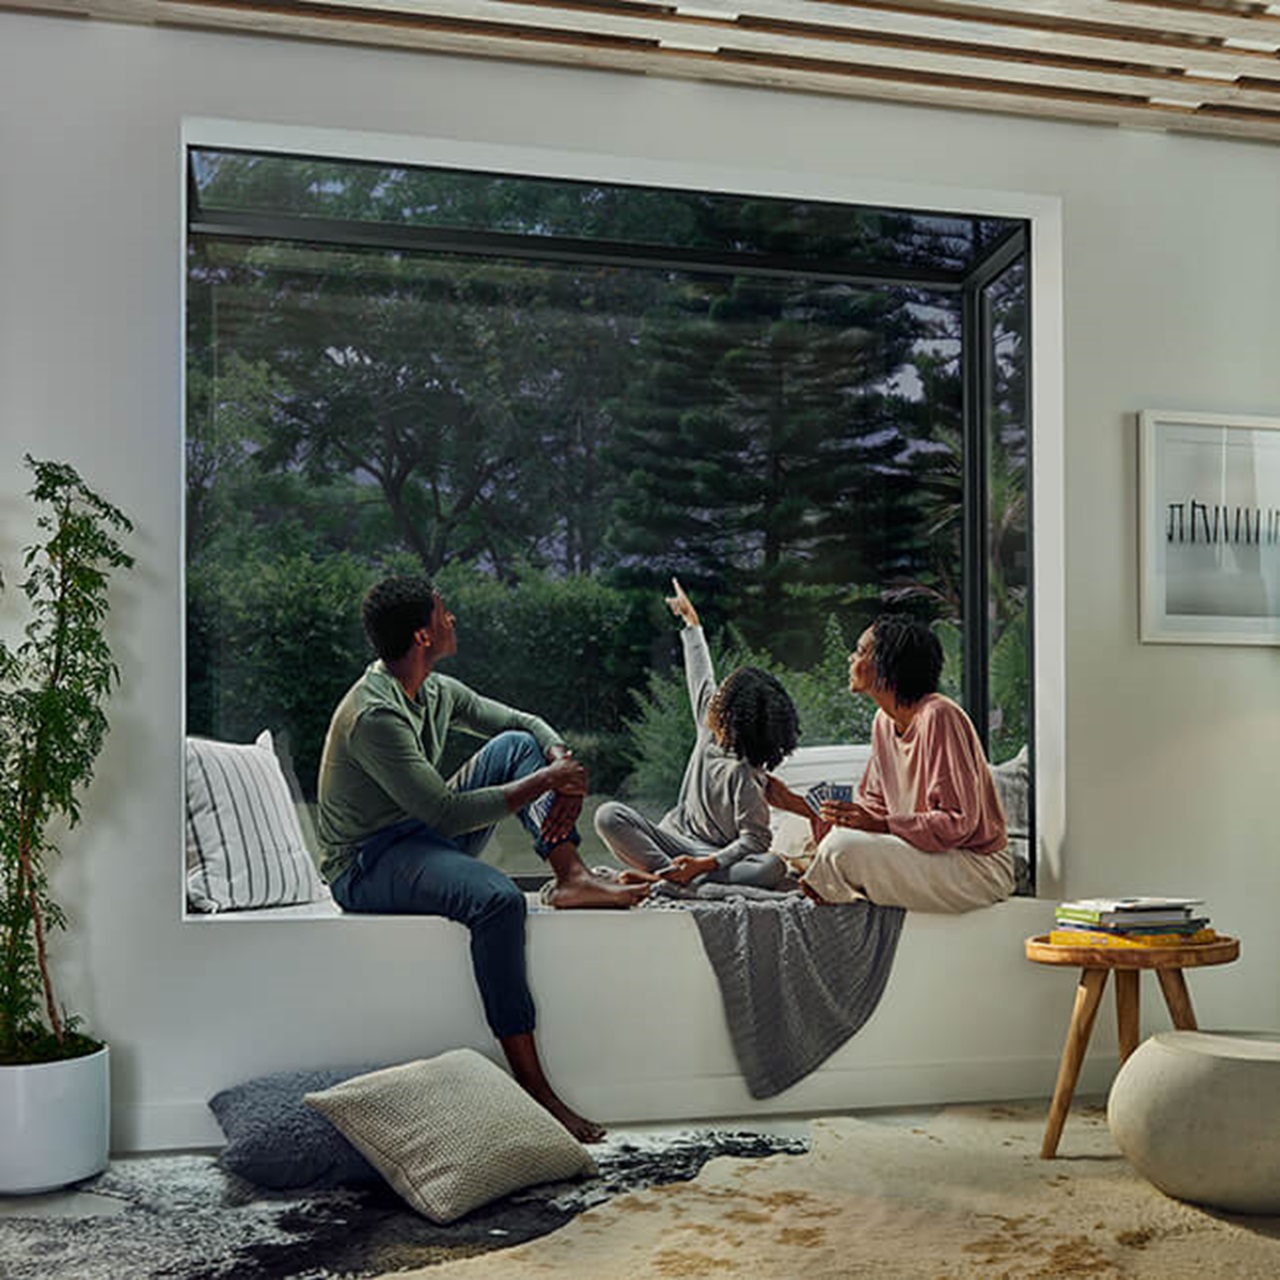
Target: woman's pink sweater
(932,783)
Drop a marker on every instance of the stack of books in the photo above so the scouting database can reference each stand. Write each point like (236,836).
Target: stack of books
(1131,922)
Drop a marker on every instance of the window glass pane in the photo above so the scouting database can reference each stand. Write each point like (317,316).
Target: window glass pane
(1007,489)
(553,440)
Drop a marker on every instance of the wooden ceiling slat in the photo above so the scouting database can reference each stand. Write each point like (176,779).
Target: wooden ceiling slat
(1213,24)
(1133,62)
(848,56)
(1028,42)
(819,20)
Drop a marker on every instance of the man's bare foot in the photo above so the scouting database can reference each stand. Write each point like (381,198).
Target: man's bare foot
(583,1129)
(575,886)
(526,1067)
(587,890)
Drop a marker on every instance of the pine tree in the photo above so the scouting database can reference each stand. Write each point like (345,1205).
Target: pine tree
(763,460)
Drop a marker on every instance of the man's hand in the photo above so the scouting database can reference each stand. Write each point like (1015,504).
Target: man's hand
(565,775)
(560,817)
(681,605)
(849,813)
(562,775)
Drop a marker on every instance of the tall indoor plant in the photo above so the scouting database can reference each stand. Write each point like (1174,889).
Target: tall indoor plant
(54,683)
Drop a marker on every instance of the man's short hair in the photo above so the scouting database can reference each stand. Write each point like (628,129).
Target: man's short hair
(394,609)
(908,656)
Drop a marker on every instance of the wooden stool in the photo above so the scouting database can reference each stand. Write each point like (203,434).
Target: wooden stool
(1094,964)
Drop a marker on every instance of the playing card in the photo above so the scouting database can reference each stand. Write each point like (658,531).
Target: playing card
(821,791)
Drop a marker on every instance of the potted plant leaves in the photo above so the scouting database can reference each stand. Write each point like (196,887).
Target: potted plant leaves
(55,680)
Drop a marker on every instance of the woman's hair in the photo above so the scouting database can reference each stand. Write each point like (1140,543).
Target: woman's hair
(393,610)
(908,656)
(754,717)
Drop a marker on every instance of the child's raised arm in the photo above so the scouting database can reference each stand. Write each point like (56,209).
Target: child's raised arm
(681,605)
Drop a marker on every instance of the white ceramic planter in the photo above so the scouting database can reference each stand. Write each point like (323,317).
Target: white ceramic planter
(55,1123)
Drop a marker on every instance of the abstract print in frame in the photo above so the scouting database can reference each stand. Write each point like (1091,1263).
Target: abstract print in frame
(1209,528)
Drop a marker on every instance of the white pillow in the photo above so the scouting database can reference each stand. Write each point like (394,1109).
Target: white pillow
(789,834)
(452,1133)
(244,845)
(1013,785)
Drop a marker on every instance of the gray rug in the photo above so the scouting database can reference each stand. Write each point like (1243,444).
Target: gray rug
(181,1217)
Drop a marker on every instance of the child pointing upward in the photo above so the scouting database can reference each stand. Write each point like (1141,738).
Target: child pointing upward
(719,828)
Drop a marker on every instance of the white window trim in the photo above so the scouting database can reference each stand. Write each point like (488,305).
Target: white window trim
(1043,212)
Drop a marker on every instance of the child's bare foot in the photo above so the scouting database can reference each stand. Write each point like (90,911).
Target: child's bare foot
(633,876)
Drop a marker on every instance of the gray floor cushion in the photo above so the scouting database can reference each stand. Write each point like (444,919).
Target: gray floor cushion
(275,1140)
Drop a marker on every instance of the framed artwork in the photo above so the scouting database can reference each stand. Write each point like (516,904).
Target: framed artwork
(1209,528)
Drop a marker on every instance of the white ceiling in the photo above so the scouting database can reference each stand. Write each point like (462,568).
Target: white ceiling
(1208,67)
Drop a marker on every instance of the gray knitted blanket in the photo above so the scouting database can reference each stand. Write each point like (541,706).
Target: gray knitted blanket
(797,978)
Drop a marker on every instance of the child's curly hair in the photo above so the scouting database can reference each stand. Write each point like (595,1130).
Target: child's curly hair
(754,717)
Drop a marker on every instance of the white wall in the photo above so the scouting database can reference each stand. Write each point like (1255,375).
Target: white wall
(1172,300)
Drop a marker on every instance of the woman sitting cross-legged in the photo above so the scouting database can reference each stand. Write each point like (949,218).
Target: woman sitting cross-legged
(926,830)
(719,829)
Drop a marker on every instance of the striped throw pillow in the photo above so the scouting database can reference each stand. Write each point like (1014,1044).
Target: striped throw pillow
(244,845)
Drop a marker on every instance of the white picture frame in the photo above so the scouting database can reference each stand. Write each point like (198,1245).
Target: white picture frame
(1208,528)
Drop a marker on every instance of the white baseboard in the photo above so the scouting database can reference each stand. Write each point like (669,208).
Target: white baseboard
(164,1126)
(190,1125)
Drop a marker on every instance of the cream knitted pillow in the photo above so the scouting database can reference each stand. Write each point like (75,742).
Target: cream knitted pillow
(452,1133)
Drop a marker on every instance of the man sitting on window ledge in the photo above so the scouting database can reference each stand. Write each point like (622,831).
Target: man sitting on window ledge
(398,838)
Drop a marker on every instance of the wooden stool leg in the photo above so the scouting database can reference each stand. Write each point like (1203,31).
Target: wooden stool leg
(1088,993)
(1178,998)
(1127,1011)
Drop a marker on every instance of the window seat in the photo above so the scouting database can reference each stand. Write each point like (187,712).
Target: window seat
(631,1024)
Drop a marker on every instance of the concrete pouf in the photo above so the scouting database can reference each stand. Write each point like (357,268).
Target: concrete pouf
(1198,1114)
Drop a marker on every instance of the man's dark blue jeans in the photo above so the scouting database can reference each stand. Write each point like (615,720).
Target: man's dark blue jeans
(410,869)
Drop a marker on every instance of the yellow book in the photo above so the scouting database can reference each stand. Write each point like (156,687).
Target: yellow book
(1099,938)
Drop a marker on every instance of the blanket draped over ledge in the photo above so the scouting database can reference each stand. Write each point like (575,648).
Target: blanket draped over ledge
(797,978)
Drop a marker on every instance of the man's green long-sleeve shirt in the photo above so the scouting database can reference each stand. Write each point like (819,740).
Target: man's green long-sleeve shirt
(381,754)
